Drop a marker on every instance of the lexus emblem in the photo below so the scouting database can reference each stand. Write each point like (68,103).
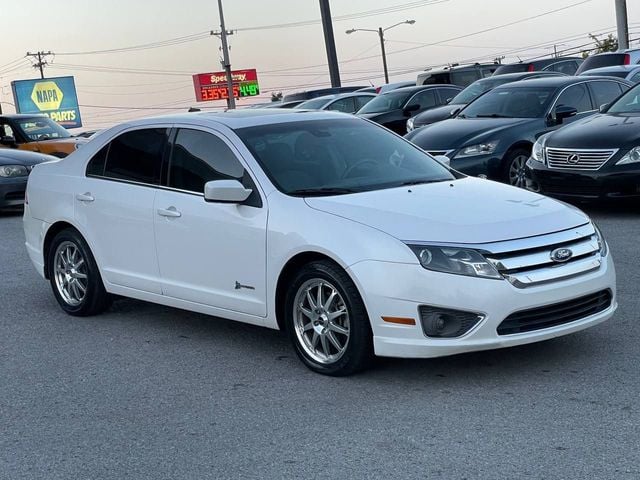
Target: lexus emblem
(573,158)
(561,255)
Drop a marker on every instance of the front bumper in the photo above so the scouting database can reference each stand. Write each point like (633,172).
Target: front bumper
(613,182)
(413,286)
(12,191)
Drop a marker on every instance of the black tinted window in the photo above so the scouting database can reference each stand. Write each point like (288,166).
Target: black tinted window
(598,61)
(343,105)
(362,101)
(569,67)
(447,94)
(199,157)
(605,92)
(425,99)
(96,164)
(137,155)
(465,77)
(576,96)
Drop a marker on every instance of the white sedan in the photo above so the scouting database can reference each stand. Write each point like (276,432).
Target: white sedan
(328,226)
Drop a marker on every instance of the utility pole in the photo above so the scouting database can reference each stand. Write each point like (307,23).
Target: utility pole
(555,51)
(330,43)
(231,101)
(623,24)
(41,62)
(384,55)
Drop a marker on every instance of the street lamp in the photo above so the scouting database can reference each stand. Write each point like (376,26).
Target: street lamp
(380,31)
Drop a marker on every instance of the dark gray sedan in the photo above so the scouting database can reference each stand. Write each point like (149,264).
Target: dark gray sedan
(15,167)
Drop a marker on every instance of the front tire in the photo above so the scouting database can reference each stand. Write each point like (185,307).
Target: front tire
(74,275)
(514,170)
(327,321)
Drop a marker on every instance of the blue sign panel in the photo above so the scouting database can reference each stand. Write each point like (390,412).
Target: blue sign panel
(55,97)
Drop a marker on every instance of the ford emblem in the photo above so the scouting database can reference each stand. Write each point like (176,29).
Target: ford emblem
(561,255)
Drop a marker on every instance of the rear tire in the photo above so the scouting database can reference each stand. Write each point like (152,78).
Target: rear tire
(514,167)
(74,275)
(327,322)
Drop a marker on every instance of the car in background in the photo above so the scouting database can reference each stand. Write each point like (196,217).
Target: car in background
(628,72)
(566,65)
(493,136)
(594,158)
(290,104)
(343,102)
(366,247)
(37,133)
(461,75)
(387,87)
(468,95)
(630,56)
(86,134)
(320,92)
(15,167)
(392,109)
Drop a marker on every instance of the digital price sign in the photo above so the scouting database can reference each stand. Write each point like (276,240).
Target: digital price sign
(213,86)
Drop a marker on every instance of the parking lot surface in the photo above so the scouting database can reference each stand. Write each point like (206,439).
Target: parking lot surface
(150,392)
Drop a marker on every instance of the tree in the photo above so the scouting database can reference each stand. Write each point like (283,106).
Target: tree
(608,44)
(276,97)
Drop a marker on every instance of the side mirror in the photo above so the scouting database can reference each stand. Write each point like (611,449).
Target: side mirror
(8,140)
(443,159)
(454,112)
(563,111)
(226,191)
(603,108)
(411,108)
(448,100)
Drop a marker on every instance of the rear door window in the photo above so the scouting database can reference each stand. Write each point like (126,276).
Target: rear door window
(362,101)
(343,105)
(568,67)
(576,96)
(604,92)
(136,156)
(424,99)
(447,94)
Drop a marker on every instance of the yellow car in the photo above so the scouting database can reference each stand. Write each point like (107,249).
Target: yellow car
(37,133)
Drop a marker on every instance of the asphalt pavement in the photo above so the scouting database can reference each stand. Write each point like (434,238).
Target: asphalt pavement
(150,392)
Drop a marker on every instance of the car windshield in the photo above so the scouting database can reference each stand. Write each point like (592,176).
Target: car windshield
(627,103)
(476,89)
(338,156)
(314,103)
(41,128)
(386,102)
(511,102)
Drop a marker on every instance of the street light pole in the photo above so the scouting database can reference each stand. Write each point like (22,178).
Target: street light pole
(380,31)
(384,55)
(231,101)
(623,24)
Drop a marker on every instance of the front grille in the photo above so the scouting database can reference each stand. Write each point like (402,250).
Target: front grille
(528,264)
(14,196)
(557,314)
(577,159)
(569,189)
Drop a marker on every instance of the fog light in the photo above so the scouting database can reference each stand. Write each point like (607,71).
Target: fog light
(447,323)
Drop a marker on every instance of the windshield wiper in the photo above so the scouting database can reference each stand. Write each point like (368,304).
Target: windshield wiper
(421,182)
(317,192)
(493,115)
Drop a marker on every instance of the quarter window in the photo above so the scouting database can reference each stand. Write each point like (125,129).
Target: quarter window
(95,168)
(605,92)
(199,157)
(362,101)
(137,156)
(577,97)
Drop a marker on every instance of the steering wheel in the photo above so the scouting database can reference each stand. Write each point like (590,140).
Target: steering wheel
(358,164)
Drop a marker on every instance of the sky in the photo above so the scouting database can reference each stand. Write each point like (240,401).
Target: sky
(282,39)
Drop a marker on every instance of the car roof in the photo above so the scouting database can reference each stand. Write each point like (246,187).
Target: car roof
(612,68)
(522,75)
(558,82)
(618,52)
(418,88)
(235,119)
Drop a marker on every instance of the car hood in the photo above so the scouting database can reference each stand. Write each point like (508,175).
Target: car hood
(599,131)
(455,133)
(66,141)
(435,115)
(381,116)
(11,156)
(465,211)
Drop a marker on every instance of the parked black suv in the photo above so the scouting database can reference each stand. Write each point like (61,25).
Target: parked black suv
(461,75)
(566,65)
(598,157)
(493,136)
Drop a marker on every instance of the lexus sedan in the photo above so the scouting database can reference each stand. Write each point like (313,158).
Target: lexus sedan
(15,167)
(493,136)
(596,158)
(326,225)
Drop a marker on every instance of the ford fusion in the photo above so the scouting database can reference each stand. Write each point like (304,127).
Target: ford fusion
(325,225)
(598,157)
(493,135)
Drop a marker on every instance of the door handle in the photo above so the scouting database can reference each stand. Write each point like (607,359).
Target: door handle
(169,212)
(85,197)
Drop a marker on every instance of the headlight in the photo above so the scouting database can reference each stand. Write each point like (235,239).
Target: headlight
(632,157)
(479,149)
(604,249)
(459,261)
(409,124)
(537,152)
(13,171)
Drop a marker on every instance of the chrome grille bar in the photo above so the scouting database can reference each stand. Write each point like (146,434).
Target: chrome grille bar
(577,159)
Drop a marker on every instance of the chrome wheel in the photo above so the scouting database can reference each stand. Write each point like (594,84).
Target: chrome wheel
(321,321)
(70,273)
(517,171)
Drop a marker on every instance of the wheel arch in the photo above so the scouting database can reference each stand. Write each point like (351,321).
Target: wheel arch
(52,231)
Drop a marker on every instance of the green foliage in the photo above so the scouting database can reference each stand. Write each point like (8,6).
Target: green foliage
(607,44)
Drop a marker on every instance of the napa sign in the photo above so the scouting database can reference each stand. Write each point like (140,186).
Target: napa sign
(55,97)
